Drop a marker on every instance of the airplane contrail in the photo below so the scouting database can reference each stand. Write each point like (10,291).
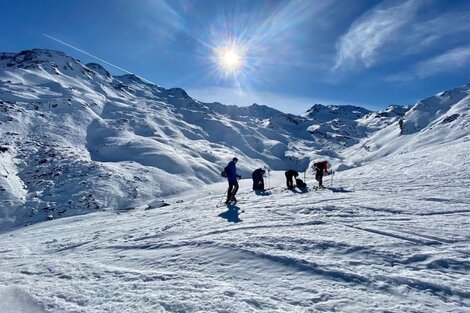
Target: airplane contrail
(95,57)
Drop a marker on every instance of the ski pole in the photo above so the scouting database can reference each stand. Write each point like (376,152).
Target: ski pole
(269,177)
(223,197)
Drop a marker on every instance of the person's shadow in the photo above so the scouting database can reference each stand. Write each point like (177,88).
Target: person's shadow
(338,189)
(231,215)
(299,190)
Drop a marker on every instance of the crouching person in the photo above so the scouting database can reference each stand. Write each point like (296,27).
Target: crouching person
(290,174)
(258,181)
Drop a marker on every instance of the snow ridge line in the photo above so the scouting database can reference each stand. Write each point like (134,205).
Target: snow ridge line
(310,267)
(436,289)
(289,262)
(389,234)
(222,231)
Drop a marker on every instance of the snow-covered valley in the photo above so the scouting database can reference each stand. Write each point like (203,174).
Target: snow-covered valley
(96,154)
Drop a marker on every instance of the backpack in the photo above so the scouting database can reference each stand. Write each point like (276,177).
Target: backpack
(320,166)
(224,172)
(300,183)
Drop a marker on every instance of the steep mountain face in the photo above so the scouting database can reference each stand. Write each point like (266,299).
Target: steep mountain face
(381,119)
(98,69)
(344,126)
(448,108)
(325,113)
(75,139)
(433,121)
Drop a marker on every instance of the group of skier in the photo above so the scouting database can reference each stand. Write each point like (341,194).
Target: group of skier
(230,172)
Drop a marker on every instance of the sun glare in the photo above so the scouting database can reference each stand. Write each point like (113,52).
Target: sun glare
(230,60)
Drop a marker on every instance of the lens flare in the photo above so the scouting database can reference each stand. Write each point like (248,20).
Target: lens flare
(240,49)
(230,59)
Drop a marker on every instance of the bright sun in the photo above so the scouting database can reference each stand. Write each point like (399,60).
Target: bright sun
(230,59)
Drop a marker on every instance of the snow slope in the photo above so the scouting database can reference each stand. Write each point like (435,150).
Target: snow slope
(76,140)
(429,124)
(390,236)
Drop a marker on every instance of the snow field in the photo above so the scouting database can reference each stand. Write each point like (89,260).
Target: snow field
(389,236)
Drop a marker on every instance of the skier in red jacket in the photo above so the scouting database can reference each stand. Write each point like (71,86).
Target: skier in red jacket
(320,168)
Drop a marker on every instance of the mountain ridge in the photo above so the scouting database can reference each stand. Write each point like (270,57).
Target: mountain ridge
(79,141)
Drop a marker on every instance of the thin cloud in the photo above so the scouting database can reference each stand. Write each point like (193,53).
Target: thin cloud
(361,45)
(164,19)
(392,32)
(449,61)
(445,27)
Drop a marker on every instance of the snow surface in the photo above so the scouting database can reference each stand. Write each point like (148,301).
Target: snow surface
(392,236)
(391,233)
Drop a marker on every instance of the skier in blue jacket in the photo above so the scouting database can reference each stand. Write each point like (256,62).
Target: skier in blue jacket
(232,178)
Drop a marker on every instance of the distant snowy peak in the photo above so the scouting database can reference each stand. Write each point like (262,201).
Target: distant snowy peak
(35,56)
(382,118)
(130,79)
(98,69)
(178,93)
(430,123)
(322,112)
(261,111)
(54,62)
(444,107)
(255,110)
(393,110)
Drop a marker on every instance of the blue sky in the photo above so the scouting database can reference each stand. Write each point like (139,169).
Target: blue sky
(290,54)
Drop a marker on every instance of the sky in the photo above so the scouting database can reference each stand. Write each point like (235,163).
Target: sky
(285,54)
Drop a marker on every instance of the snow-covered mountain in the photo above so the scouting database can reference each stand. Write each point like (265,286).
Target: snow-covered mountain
(389,234)
(76,139)
(442,118)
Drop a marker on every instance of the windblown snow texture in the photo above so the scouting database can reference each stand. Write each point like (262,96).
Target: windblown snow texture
(390,234)
(396,238)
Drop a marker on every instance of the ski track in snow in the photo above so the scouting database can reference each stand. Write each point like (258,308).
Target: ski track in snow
(373,242)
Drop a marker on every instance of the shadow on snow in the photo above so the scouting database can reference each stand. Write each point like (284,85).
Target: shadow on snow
(231,215)
(339,189)
(262,193)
